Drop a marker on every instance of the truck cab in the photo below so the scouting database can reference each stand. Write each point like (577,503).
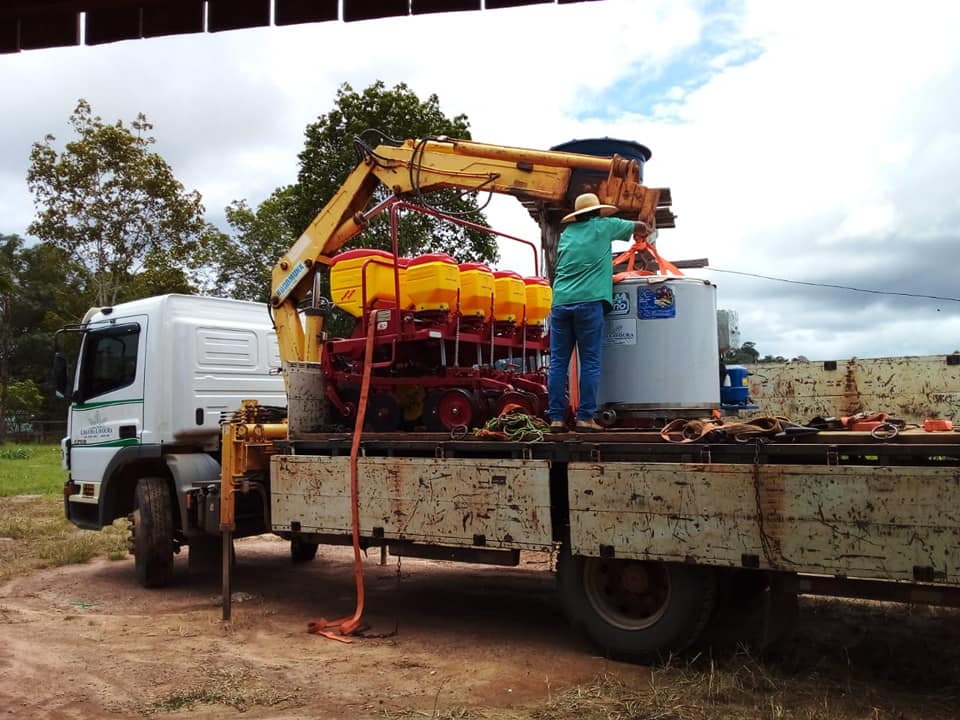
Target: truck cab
(153,380)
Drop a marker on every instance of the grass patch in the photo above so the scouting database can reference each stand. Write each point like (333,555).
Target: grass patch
(739,688)
(848,660)
(234,688)
(30,470)
(34,534)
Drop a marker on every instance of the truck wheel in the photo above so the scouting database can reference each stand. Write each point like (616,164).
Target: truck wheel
(633,609)
(152,530)
(302,551)
(751,612)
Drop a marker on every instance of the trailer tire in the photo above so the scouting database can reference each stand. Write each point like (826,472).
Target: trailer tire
(152,530)
(302,551)
(636,610)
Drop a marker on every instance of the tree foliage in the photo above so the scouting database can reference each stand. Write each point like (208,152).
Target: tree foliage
(23,399)
(114,205)
(244,262)
(41,289)
(329,156)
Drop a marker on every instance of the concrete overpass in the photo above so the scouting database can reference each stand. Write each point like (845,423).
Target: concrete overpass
(34,24)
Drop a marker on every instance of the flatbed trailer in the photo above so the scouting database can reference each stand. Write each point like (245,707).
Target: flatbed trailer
(658,543)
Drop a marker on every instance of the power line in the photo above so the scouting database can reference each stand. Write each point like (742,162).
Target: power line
(838,287)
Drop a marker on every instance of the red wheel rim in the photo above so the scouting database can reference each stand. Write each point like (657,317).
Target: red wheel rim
(456,409)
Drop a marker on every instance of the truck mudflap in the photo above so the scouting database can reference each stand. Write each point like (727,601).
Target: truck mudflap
(191,471)
(891,523)
(452,501)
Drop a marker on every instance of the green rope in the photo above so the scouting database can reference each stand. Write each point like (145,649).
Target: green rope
(517,426)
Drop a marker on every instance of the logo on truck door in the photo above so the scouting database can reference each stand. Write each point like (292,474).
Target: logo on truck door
(98,428)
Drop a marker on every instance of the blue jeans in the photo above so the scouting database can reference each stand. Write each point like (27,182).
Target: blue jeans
(580,325)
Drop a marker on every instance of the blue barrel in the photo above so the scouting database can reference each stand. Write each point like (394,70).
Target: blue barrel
(734,390)
(582,181)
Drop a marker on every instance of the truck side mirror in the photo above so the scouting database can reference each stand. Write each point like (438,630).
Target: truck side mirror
(60,375)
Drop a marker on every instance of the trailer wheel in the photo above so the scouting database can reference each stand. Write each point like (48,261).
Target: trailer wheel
(633,609)
(302,551)
(152,530)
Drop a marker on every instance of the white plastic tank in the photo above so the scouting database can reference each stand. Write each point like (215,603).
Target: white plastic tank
(660,345)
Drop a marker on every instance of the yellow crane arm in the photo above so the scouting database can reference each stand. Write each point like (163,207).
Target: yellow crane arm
(423,166)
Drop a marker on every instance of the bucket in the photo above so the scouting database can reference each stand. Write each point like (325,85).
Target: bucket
(539,296)
(346,280)
(432,282)
(476,290)
(509,296)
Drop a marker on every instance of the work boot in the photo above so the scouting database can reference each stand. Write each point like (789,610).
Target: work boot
(558,426)
(588,426)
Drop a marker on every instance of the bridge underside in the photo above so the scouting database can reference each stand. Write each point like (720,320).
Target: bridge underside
(33,24)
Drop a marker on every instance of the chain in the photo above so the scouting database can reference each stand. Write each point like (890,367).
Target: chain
(765,543)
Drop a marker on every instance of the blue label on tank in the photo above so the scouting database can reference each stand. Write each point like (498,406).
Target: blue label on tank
(656,303)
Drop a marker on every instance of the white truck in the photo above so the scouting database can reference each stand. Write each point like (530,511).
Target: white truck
(153,380)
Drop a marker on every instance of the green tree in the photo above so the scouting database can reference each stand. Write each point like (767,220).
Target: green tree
(23,399)
(41,289)
(114,204)
(10,247)
(245,260)
(746,353)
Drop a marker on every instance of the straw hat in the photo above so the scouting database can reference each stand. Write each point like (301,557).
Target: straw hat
(587,203)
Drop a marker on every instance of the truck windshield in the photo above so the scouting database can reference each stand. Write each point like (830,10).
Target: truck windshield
(108,360)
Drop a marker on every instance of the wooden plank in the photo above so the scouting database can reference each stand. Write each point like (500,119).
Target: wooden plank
(911,388)
(451,501)
(889,523)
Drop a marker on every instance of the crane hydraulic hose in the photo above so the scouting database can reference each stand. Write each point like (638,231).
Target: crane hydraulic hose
(349,625)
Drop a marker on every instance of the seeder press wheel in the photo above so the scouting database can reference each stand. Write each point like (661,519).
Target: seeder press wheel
(527,402)
(448,409)
(383,412)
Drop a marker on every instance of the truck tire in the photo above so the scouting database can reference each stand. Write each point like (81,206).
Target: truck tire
(642,611)
(153,533)
(751,612)
(302,551)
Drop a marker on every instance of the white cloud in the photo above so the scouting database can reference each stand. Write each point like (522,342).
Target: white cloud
(816,141)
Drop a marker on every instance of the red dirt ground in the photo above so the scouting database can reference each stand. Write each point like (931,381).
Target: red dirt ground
(86,641)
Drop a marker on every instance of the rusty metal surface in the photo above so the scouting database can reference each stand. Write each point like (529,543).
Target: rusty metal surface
(872,522)
(449,501)
(911,388)
(306,401)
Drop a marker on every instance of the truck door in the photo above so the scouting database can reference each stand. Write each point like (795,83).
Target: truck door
(106,413)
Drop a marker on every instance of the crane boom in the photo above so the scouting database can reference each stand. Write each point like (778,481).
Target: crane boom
(418,167)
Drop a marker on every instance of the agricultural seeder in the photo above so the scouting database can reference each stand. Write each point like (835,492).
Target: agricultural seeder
(453,343)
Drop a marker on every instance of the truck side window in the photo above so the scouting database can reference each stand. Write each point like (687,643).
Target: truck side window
(109,360)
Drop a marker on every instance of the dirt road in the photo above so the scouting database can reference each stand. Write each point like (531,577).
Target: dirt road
(462,641)
(86,641)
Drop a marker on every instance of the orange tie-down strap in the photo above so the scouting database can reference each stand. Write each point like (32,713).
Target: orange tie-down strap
(351,625)
(683,430)
(629,256)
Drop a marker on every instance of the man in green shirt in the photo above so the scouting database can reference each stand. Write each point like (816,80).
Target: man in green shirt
(582,295)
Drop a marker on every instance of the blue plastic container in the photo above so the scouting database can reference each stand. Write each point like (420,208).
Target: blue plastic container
(734,390)
(582,181)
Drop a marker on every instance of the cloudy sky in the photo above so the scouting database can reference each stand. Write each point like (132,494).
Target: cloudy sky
(812,141)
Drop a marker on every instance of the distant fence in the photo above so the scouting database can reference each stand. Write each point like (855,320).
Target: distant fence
(35,430)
